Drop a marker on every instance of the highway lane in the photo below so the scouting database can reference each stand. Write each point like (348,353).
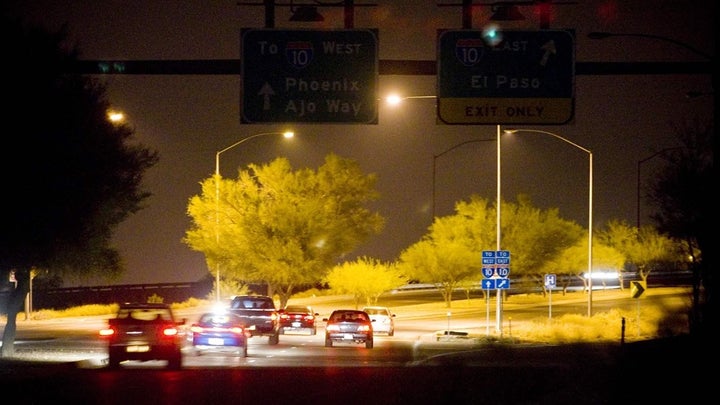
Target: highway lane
(76,338)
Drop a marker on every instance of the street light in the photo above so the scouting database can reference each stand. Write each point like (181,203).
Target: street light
(395,99)
(286,134)
(590,202)
(435,166)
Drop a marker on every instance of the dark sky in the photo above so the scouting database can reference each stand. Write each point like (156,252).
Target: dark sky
(187,118)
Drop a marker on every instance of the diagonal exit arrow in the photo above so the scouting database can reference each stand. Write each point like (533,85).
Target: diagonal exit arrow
(549,48)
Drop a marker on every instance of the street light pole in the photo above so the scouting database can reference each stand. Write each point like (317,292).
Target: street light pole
(639,164)
(590,203)
(498,309)
(287,134)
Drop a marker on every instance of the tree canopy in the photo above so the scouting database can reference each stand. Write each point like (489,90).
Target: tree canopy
(450,254)
(686,208)
(280,227)
(73,175)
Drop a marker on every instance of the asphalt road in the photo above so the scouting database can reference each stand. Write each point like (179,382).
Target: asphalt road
(410,368)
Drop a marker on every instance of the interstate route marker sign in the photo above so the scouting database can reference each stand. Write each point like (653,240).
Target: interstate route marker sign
(309,76)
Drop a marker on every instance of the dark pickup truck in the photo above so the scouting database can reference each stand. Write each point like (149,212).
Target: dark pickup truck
(259,314)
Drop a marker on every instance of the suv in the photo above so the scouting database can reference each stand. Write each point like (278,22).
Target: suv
(144,332)
(258,314)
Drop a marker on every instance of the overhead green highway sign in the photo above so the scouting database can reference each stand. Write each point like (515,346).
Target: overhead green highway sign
(505,77)
(309,76)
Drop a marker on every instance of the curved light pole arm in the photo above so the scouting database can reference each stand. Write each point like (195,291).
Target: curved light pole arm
(603,35)
(590,202)
(286,134)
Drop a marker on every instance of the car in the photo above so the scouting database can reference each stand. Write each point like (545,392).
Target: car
(144,332)
(348,325)
(297,318)
(259,315)
(219,332)
(383,320)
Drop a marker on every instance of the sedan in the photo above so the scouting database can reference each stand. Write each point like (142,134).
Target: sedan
(297,319)
(219,332)
(348,325)
(383,321)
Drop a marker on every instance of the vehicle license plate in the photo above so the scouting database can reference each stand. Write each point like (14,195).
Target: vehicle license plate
(296,324)
(348,336)
(216,341)
(137,349)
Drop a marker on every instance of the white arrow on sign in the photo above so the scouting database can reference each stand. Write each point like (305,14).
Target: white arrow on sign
(266,91)
(549,48)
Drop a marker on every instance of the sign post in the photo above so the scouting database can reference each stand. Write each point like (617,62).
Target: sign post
(309,76)
(550,283)
(512,77)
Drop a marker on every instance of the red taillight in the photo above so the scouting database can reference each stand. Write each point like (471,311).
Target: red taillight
(171,331)
(333,328)
(363,328)
(237,331)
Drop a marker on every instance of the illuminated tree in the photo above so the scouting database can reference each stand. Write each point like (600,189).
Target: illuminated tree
(365,279)
(284,228)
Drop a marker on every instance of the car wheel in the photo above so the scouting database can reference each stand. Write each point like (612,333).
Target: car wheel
(113,361)
(392,332)
(369,344)
(274,339)
(328,342)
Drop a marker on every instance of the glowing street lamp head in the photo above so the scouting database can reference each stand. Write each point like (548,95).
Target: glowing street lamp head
(393,99)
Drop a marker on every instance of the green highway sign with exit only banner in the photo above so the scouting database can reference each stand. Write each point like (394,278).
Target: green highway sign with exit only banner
(309,76)
(505,77)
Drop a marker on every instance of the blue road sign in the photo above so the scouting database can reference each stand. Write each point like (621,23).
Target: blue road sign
(502,271)
(488,284)
(515,77)
(488,272)
(502,283)
(550,280)
(488,253)
(309,76)
(503,254)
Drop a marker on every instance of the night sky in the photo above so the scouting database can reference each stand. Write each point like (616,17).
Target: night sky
(187,118)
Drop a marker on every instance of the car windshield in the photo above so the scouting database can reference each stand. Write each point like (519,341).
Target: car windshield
(376,311)
(252,303)
(349,316)
(144,314)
